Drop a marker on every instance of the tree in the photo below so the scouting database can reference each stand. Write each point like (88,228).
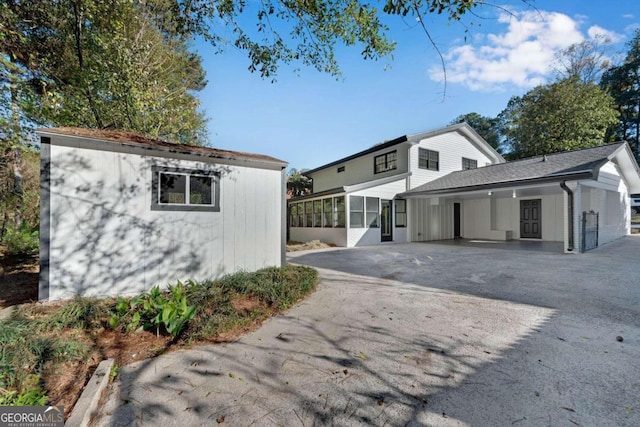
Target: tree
(566,115)
(103,64)
(623,83)
(298,184)
(586,60)
(487,128)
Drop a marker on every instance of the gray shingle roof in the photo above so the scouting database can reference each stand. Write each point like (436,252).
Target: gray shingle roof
(577,164)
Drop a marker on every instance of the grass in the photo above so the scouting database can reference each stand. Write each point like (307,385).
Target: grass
(46,349)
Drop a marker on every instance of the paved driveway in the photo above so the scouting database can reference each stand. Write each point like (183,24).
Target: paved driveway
(419,334)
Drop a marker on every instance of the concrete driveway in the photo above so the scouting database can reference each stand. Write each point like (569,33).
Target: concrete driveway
(419,334)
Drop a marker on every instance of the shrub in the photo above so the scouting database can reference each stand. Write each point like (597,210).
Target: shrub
(23,240)
(163,311)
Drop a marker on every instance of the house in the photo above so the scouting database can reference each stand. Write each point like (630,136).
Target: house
(548,198)
(450,184)
(121,213)
(354,200)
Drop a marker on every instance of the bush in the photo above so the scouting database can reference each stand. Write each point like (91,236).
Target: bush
(24,240)
(163,311)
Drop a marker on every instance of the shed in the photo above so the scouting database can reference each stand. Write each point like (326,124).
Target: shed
(121,213)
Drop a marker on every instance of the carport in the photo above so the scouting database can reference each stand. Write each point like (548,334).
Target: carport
(577,199)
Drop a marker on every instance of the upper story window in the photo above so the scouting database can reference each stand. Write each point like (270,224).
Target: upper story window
(340,169)
(185,190)
(428,159)
(385,162)
(469,164)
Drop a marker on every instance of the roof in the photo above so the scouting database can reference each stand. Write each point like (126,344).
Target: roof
(463,128)
(578,164)
(352,188)
(137,140)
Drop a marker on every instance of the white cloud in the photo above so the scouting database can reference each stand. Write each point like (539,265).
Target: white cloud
(628,16)
(597,31)
(520,55)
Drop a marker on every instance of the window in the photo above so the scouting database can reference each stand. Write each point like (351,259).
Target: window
(356,211)
(340,169)
(185,190)
(308,217)
(293,215)
(373,204)
(339,212)
(317,213)
(300,212)
(469,164)
(385,162)
(401,213)
(327,213)
(428,159)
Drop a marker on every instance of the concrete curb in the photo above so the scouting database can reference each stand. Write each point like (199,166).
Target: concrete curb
(87,405)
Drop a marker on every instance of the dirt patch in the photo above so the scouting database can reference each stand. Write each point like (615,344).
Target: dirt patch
(18,280)
(246,303)
(305,246)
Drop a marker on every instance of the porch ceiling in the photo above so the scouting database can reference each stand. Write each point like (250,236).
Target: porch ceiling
(501,193)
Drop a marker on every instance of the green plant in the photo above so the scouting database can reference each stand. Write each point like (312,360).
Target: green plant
(81,313)
(30,393)
(22,240)
(163,311)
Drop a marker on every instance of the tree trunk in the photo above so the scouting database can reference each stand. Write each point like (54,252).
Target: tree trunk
(16,156)
(17,184)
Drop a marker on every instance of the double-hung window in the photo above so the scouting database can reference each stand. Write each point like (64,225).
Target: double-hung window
(428,159)
(385,162)
(185,189)
(469,164)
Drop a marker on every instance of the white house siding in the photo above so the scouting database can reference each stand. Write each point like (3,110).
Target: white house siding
(482,218)
(336,236)
(105,239)
(372,236)
(609,197)
(452,147)
(358,170)
(431,219)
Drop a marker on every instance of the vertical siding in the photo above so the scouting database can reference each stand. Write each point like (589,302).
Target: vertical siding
(431,220)
(106,240)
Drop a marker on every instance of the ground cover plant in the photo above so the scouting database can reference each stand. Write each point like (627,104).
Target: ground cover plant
(47,349)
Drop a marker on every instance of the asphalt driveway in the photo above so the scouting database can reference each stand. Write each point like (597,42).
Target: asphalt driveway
(419,334)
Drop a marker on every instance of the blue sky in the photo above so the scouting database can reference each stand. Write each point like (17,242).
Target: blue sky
(308,118)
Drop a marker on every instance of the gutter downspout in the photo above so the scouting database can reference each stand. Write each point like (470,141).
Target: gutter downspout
(563,184)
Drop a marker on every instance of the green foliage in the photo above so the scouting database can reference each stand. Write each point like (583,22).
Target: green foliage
(487,128)
(298,184)
(99,65)
(623,83)
(271,284)
(25,240)
(30,393)
(24,353)
(566,115)
(163,311)
(80,313)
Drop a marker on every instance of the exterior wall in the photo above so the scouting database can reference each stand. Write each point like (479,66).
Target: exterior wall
(483,218)
(452,147)
(104,239)
(507,216)
(431,219)
(358,170)
(335,236)
(372,236)
(609,196)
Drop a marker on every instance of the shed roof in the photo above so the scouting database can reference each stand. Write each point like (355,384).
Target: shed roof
(135,139)
(578,164)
